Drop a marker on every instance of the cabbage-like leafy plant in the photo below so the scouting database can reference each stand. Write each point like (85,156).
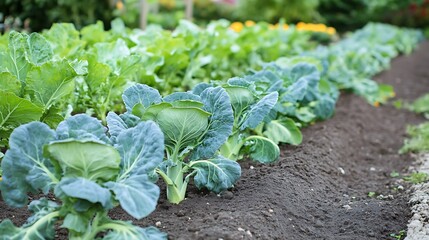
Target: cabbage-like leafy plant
(194,126)
(87,173)
(250,109)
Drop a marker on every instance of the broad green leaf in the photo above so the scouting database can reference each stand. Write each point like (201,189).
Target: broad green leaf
(151,112)
(304,114)
(58,82)
(241,98)
(81,188)
(98,73)
(141,149)
(187,103)
(216,101)
(82,127)
(259,111)
(88,159)
(15,61)
(137,195)
(124,231)
(10,83)
(15,111)
(262,149)
(24,167)
(182,126)
(76,222)
(117,124)
(110,53)
(39,50)
(140,93)
(283,131)
(52,117)
(40,226)
(94,33)
(421,105)
(64,39)
(217,174)
(177,96)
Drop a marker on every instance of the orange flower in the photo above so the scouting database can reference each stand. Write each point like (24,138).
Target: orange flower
(249,23)
(376,104)
(285,27)
(236,26)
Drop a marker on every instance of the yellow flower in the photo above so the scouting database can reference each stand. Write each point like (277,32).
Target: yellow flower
(330,30)
(285,27)
(301,26)
(272,27)
(236,26)
(249,23)
(119,5)
(376,104)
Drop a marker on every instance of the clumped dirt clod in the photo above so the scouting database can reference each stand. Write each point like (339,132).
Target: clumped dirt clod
(318,190)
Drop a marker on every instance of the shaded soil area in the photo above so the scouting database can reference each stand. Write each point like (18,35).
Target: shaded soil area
(318,190)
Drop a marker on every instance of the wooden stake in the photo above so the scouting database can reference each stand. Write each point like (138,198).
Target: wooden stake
(144,11)
(189,9)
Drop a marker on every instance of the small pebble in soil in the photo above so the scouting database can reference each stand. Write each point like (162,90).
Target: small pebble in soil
(252,167)
(240,229)
(341,170)
(158,224)
(400,187)
(180,213)
(347,207)
(249,233)
(270,210)
(227,195)
(372,169)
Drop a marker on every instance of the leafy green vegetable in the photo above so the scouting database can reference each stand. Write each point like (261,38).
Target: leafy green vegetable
(88,174)
(194,128)
(419,139)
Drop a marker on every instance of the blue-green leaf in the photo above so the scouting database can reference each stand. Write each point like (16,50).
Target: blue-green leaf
(141,149)
(259,111)
(24,167)
(262,149)
(80,127)
(117,124)
(283,131)
(181,96)
(216,101)
(217,174)
(84,189)
(140,93)
(137,195)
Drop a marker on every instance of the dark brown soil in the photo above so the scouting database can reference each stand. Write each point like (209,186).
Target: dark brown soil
(318,190)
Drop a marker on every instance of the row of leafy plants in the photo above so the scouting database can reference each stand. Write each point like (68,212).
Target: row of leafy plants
(181,136)
(87,71)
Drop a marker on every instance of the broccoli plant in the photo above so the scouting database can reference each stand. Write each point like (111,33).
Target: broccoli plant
(87,174)
(194,126)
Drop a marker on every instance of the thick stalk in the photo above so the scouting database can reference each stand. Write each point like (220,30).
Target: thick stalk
(231,148)
(176,191)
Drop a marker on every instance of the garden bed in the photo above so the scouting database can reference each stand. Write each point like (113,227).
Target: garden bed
(318,190)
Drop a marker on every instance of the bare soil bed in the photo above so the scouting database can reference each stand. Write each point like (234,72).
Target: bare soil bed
(318,190)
